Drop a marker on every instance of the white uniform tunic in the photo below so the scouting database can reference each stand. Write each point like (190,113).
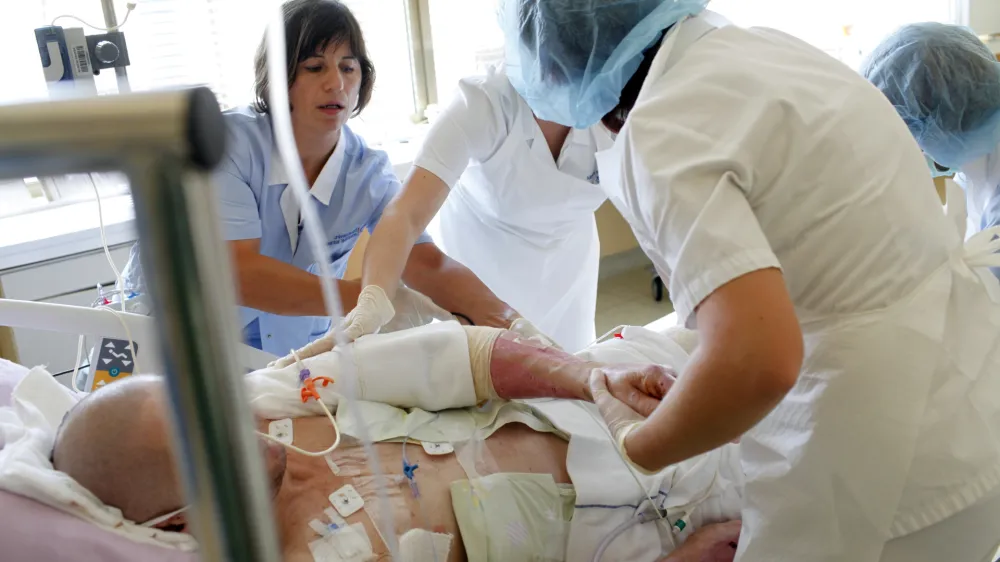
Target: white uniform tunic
(521,221)
(981,181)
(780,156)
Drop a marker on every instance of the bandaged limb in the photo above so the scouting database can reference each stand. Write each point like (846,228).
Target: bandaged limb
(520,369)
(374,313)
(445,365)
(426,367)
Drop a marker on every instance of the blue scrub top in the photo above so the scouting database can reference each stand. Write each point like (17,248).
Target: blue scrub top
(347,200)
(991,218)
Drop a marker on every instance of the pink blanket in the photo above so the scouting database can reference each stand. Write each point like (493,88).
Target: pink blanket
(34,532)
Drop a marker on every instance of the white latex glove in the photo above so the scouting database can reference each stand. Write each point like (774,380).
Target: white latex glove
(523,327)
(616,413)
(372,312)
(413,309)
(621,419)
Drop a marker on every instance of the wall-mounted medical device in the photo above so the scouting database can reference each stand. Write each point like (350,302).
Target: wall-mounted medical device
(71,59)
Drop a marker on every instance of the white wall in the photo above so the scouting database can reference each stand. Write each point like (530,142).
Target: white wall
(984,17)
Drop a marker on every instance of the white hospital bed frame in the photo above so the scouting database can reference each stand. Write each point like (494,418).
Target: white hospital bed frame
(167,143)
(68,319)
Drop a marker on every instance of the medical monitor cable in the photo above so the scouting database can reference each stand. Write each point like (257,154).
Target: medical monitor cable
(628,465)
(309,391)
(642,517)
(128,11)
(119,283)
(287,150)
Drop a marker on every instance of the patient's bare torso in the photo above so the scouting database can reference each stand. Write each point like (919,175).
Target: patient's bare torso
(308,482)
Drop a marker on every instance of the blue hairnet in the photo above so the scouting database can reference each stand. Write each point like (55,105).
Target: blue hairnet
(570,59)
(945,84)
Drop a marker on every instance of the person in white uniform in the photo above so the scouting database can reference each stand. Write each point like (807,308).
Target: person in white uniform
(512,198)
(515,198)
(945,84)
(844,330)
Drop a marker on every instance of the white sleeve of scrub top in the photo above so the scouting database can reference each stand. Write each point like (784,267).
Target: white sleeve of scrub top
(471,128)
(691,172)
(237,204)
(385,185)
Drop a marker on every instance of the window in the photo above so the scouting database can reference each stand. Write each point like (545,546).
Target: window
(847,29)
(466,49)
(179,43)
(421,49)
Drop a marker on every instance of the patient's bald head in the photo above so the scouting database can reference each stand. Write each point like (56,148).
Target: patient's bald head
(116,443)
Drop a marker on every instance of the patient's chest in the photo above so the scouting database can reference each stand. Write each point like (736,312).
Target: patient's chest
(309,482)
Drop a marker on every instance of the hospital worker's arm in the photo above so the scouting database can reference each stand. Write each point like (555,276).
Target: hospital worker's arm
(470,128)
(723,270)
(274,286)
(748,357)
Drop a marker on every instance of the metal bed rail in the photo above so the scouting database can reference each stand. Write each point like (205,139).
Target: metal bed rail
(167,143)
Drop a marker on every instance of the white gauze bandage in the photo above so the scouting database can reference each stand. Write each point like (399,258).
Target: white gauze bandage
(426,367)
(481,341)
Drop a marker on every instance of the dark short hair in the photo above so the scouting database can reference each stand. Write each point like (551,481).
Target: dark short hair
(615,119)
(310,26)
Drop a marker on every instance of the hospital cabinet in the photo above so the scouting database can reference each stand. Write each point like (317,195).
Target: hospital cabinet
(68,280)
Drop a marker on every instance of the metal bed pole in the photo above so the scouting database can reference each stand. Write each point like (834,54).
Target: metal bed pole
(111,21)
(166,143)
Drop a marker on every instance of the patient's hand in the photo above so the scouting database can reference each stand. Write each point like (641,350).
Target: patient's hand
(640,387)
(711,543)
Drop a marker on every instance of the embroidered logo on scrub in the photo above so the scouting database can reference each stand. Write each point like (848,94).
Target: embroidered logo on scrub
(341,238)
(594,178)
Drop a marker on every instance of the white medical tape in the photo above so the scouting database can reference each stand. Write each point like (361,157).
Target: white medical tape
(347,501)
(474,456)
(335,519)
(282,430)
(436,449)
(319,527)
(333,466)
(418,545)
(346,544)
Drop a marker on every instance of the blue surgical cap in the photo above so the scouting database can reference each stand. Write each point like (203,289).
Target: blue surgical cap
(945,84)
(570,59)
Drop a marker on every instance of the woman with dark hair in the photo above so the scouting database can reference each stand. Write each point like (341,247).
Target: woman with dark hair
(846,335)
(330,79)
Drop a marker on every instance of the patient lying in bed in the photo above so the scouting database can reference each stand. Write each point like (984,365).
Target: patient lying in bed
(131,468)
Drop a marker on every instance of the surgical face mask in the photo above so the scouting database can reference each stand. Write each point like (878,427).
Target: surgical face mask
(937,170)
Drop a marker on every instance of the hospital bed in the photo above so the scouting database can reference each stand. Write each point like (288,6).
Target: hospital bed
(166,143)
(37,532)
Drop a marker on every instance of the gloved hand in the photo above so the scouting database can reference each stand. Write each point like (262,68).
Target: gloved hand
(523,327)
(640,387)
(413,309)
(372,312)
(616,413)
